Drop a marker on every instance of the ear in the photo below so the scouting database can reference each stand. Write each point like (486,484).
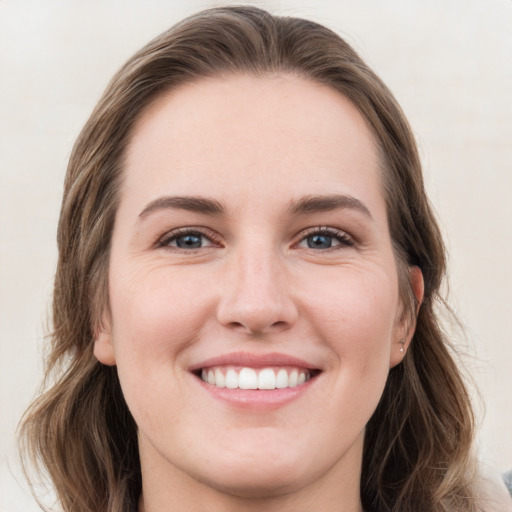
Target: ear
(406,326)
(103,343)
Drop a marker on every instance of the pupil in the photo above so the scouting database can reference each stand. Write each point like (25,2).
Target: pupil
(189,241)
(319,242)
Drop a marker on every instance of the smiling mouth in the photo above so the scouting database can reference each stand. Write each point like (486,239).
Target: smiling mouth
(236,377)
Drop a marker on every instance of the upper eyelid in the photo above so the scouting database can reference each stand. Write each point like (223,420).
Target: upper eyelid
(331,231)
(314,229)
(172,234)
(216,238)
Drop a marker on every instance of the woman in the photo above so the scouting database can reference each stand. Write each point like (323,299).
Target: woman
(245,302)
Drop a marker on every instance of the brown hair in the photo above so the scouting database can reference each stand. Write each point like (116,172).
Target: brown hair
(417,453)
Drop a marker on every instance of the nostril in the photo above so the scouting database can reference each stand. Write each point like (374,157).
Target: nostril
(260,328)
(279,324)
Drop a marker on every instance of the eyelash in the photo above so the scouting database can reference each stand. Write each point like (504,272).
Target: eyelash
(342,237)
(169,237)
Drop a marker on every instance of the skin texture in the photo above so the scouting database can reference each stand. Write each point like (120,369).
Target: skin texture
(255,146)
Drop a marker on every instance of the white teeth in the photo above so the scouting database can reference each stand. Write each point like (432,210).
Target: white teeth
(220,380)
(282,380)
(231,379)
(267,379)
(250,378)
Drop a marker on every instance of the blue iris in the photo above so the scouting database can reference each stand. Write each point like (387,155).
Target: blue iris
(319,241)
(190,241)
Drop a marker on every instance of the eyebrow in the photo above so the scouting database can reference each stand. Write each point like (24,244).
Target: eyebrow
(191,204)
(305,205)
(317,204)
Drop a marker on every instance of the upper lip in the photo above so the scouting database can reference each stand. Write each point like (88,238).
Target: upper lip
(253,361)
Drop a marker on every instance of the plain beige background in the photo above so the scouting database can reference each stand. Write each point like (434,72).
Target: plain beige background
(449,62)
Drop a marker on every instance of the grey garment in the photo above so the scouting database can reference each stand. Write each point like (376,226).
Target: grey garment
(507,478)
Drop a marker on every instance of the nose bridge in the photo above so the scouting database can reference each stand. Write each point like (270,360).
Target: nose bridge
(259,275)
(257,294)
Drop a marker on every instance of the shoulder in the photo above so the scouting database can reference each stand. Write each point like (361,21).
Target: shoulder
(493,494)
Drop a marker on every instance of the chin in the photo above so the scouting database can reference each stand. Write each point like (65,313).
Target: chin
(257,482)
(269,462)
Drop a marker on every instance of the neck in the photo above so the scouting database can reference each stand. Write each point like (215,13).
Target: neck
(237,504)
(166,489)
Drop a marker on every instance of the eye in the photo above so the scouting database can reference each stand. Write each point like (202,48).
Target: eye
(186,239)
(325,238)
(190,241)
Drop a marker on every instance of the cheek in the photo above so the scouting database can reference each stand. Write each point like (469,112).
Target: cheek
(357,311)
(155,311)
(357,320)
(156,315)
(354,317)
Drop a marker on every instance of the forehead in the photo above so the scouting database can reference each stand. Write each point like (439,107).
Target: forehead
(280,130)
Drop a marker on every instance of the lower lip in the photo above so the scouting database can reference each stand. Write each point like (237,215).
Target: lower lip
(257,399)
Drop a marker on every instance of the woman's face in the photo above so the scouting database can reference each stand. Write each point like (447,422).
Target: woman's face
(251,248)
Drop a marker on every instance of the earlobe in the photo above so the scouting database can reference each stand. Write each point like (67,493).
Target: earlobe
(104,348)
(398,351)
(400,346)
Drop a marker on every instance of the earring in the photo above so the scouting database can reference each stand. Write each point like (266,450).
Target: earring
(402,342)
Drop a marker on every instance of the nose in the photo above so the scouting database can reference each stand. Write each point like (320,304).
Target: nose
(256,294)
